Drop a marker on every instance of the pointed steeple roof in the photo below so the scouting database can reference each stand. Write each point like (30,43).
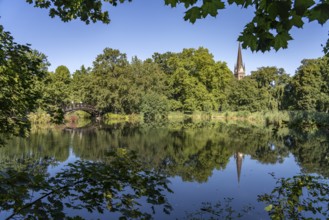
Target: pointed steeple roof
(239,62)
(239,69)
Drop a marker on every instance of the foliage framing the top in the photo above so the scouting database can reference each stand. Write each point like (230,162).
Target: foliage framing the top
(269,29)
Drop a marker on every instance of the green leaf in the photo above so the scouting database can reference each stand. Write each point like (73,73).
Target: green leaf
(172,3)
(300,208)
(297,21)
(273,10)
(281,40)
(319,13)
(243,3)
(188,3)
(301,6)
(209,8)
(212,8)
(238,2)
(284,8)
(268,208)
(247,37)
(192,14)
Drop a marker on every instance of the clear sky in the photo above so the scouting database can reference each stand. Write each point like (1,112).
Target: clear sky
(143,27)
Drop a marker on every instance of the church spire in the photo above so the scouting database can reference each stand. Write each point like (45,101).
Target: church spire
(239,69)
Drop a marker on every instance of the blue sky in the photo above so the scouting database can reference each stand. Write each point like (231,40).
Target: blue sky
(143,27)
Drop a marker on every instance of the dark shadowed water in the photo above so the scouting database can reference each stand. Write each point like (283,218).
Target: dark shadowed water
(172,171)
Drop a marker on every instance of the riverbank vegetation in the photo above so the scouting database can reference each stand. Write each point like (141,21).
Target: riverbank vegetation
(191,84)
(192,81)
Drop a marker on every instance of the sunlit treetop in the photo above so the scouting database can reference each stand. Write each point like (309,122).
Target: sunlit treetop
(269,29)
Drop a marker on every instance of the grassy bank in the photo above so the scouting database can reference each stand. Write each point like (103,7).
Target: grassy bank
(277,118)
(299,119)
(111,118)
(265,118)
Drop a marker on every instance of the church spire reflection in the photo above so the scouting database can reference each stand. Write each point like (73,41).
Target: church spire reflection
(238,157)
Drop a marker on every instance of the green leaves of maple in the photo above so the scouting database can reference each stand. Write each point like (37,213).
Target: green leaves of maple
(320,13)
(297,197)
(301,6)
(269,29)
(208,8)
(86,10)
(273,20)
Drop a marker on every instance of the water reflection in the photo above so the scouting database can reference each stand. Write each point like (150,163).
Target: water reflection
(239,159)
(203,162)
(120,185)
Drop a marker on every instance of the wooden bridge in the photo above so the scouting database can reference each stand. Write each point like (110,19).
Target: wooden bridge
(81,106)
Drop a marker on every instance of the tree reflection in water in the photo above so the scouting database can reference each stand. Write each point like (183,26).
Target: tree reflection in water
(118,182)
(116,185)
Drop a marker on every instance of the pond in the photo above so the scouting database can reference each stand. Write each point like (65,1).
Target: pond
(172,171)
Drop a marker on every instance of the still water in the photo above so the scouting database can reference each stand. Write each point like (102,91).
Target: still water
(172,171)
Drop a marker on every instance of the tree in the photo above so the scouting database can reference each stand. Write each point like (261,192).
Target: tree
(154,106)
(59,84)
(245,96)
(109,80)
(269,29)
(274,80)
(148,82)
(310,87)
(81,86)
(21,69)
(56,92)
(196,81)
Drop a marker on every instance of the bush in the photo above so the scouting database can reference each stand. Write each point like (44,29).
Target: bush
(39,117)
(155,107)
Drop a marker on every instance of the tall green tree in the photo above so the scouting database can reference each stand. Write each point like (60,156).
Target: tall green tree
(110,82)
(310,85)
(21,69)
(196,81)
(274,80)
(80,87)
(57,86)
(246,96)
(149,83)
(56,93)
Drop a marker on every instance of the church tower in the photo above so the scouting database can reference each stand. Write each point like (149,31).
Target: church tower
(239,69)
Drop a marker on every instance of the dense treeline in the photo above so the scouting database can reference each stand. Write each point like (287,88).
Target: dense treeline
(187,81)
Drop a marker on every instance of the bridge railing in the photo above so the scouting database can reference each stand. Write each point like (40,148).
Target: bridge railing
(78,106)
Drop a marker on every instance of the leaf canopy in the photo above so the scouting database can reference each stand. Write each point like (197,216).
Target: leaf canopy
(269,29)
